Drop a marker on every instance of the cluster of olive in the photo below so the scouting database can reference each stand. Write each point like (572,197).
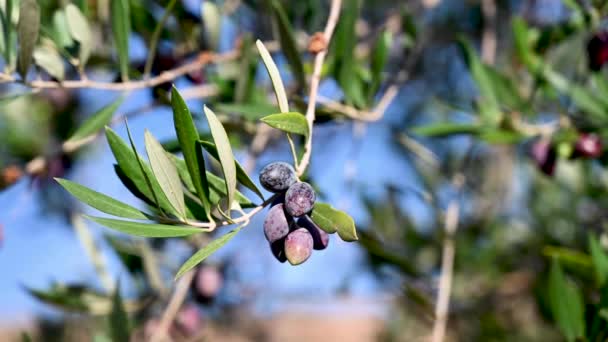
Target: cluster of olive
(288,228)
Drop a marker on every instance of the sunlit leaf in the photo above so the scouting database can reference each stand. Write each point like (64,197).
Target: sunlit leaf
(275,77)
(27,32)
(599,258)
(445,129)
(152,230)
(165,173)
(206,251)
(224,150)
(212,19)
(80,31)
(100,201)
(288,122)
(49,59)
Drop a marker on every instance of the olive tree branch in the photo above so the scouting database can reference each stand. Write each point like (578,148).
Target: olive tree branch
(172,309)
(447,266)
(334,15)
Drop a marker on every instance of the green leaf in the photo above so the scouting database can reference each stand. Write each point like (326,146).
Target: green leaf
(49,59)
(217,186)
(152,230)
(288,122)
(7,33)
(446,129)
(165,173)
(80,31)
(288,43)
(188,137)
(566,304)
(206,251)
(600,260)
(378,60)
(333,220)
(212,20)
(487,102)
(119,321)
(226,158)
(121,27)
(241,174)
(100,201)
(61,30)
(27,32)
(275,77)
(250,111)
(137,172)
(96,122)
(500,136)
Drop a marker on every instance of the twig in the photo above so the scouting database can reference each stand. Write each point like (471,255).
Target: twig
(166,76)
(360,115)
(447,267)
(334,15)
(172,309)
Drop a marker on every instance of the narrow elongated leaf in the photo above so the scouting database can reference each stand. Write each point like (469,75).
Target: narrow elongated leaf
(333,220)
(27,32)
(119,321)
(288,42)
(165,173)
(49,59)
(80,31)
(206,251)
(566,304)
(445,129)
(96,122)
(275,77)
(224,151)
(217,186)
(121,27)
(131,165)
(378,60)
(187,135)
(100,201)
(61,30)
(241,174)
(600,260)
(145,229)
(212,20)
(288,122)
(7,33)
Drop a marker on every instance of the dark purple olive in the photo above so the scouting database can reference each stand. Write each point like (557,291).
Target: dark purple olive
(544,156)
(277,176)
(298,246)
(320,238)
(597,50)
(276,224)
(299,199)
(588,145)
(278,250)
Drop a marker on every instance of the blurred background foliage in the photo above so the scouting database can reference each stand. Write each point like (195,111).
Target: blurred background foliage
(495,107)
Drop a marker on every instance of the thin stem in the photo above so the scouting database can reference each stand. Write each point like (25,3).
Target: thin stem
(334,15)
(292,147)
(155,38)
(447,269)
(172,309)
